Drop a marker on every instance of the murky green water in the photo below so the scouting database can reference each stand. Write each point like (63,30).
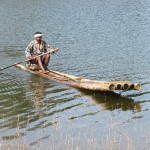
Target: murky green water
(100,40)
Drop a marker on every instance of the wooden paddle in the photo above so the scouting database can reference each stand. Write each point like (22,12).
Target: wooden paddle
(50,52)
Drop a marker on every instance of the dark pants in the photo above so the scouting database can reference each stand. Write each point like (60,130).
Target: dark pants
(35,61)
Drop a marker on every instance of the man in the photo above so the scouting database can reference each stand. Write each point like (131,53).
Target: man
(35,48)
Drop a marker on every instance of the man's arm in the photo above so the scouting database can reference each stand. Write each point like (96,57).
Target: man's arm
(28,50)
(46,46)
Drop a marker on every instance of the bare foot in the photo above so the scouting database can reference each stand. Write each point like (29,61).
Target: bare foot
(40,71)
(46,68)
(46,71)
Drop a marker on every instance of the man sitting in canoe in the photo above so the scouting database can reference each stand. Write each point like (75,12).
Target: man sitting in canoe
(35,48)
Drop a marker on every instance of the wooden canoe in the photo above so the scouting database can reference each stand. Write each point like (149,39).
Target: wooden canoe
(83,83)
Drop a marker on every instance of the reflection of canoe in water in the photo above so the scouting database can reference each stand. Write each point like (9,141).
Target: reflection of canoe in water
(111,101)
(83,83)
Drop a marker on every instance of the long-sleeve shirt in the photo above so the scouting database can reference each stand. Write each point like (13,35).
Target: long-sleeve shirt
(35,48)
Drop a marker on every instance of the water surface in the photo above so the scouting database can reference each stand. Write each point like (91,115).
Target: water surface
(100,40)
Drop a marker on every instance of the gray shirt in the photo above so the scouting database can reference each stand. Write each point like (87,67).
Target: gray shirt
(35,48)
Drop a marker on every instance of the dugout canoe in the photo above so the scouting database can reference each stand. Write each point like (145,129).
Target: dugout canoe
(82,83)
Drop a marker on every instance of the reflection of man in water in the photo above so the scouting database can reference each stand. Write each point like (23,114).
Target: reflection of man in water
(35,48)
(37,86)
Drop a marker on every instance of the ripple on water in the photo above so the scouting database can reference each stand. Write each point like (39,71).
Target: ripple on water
(110,43)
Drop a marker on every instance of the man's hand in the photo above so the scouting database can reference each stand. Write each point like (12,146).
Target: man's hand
(54,50)
(31,57)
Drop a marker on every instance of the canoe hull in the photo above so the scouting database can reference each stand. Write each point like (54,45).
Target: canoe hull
(82,83)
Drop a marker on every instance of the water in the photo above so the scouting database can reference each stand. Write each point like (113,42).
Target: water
(100,40)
